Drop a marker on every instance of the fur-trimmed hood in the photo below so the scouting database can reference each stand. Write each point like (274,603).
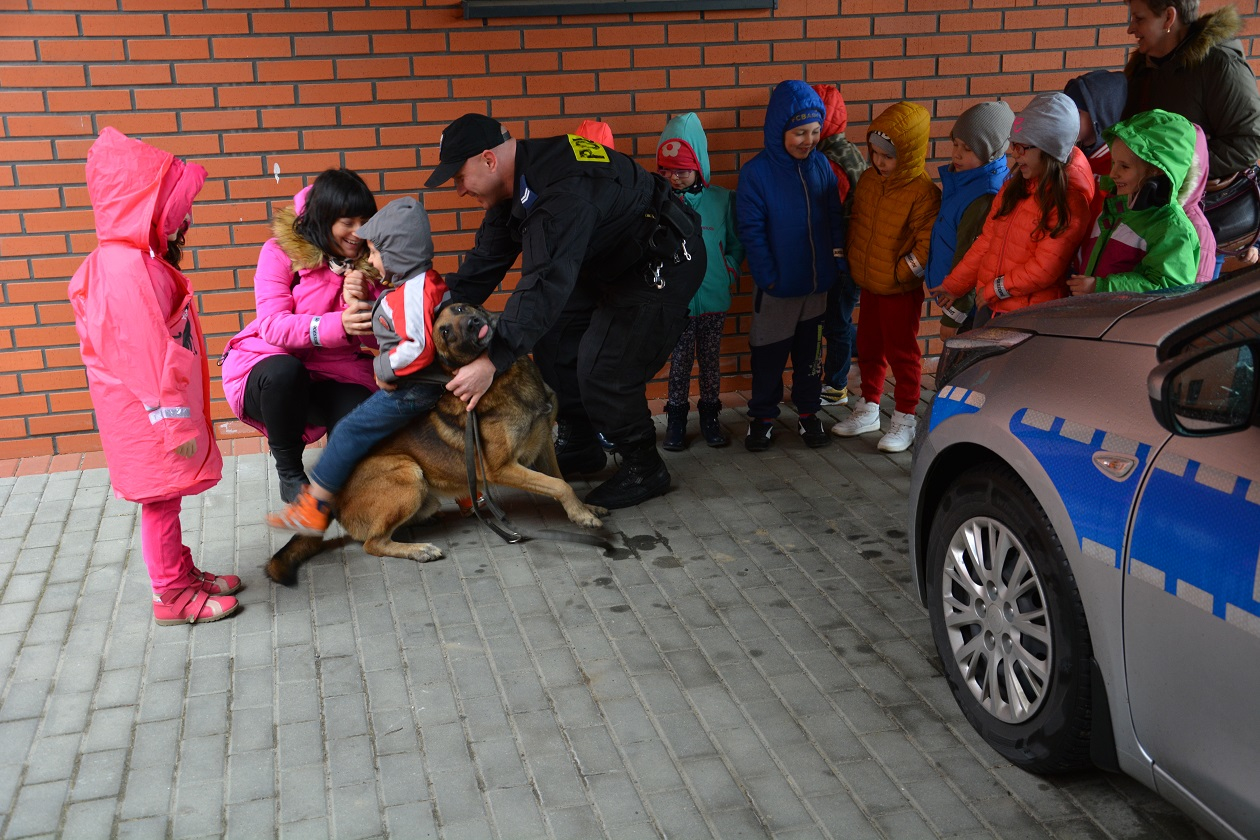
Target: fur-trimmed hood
(305,255)
(1218,28)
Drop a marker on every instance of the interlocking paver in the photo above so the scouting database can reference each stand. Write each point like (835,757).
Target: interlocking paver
(746,660)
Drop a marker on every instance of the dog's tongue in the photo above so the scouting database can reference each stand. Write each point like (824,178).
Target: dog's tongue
(484,331)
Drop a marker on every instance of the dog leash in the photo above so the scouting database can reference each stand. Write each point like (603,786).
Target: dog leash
(474,457)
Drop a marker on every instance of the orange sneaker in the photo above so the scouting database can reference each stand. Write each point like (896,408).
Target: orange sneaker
(305,515)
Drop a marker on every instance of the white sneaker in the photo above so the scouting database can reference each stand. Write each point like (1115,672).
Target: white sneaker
(900,434)
(865,418)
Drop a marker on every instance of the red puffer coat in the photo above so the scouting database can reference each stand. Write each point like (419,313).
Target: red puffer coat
(1033,268)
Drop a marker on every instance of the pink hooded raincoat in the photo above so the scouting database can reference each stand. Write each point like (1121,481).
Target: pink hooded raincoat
(139,335)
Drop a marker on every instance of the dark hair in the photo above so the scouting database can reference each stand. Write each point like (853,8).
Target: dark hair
(1051,197)
(1187,10)
(174,250)
(336,194)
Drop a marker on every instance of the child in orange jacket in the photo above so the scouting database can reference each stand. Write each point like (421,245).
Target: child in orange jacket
(894,206)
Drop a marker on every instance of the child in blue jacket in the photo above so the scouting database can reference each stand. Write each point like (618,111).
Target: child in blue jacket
(790,222)
(976,172)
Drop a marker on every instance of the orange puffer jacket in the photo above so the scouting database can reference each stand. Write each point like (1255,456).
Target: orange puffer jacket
(893,216)
(1032,269)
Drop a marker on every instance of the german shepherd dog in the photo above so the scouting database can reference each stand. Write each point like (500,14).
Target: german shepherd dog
(403,479)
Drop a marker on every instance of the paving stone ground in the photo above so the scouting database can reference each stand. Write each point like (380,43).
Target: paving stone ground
(747,661)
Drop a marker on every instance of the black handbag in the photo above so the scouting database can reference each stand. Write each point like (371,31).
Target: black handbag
(1234,212)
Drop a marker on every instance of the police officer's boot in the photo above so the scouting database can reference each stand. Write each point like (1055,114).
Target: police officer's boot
(290,471)
(577,448)
(642,476)
(710,428)
(675,427)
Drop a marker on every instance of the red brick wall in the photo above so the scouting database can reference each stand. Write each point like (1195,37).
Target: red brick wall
(242,85)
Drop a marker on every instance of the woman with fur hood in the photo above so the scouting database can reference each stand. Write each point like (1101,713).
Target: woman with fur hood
(1194,66)
(302,364)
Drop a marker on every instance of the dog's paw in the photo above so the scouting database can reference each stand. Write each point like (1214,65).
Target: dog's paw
(425,553)
(588,517)
(597,510)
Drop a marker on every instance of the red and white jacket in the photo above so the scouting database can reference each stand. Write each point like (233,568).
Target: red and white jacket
(402,322)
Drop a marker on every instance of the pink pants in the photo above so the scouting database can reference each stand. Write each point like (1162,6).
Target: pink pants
(168,560)
(888,336)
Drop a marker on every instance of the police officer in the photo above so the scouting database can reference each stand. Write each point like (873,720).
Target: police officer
(609,262)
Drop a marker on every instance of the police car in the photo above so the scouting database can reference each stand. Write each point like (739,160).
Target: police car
(1085,534)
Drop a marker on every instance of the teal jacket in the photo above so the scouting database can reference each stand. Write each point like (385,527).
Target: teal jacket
(1148,246)
(716,206)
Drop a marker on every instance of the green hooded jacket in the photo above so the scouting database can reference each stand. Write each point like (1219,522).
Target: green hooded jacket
(1154,247)
(716,206)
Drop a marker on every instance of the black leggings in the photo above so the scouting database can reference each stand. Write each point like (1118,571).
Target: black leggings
(281,395)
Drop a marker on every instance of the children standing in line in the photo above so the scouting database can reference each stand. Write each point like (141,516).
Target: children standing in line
(1143,240)
(401,250)
(848,163)
(682,157)
(893,210)
(145,355)
(788,210)
(975,173)
(1038,219)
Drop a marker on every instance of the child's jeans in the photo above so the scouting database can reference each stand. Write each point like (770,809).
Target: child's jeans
(375,419)
(839,332)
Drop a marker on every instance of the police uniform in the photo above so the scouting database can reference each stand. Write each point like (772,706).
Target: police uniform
(590,300)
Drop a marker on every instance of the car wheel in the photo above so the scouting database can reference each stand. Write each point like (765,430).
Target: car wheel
(1008,622)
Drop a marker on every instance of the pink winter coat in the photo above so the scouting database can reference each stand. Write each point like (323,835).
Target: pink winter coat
(302,319)
(139,335)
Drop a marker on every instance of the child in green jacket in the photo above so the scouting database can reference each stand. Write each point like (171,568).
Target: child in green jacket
(1143,239)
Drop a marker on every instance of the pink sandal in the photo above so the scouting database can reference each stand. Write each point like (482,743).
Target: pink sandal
(216,584)
(191,605)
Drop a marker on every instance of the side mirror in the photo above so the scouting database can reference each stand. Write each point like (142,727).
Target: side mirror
(1209,393)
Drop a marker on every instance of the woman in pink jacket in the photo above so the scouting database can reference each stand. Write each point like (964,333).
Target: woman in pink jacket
(1038,220)
(145,356)
(302,364)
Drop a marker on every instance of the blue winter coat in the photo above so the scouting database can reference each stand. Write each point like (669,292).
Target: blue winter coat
(788,211)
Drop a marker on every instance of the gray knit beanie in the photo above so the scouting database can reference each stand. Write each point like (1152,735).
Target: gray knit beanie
(986,129)
(1050,123)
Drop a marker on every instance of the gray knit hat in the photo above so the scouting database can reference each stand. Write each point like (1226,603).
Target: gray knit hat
(986,129)
(1050,123)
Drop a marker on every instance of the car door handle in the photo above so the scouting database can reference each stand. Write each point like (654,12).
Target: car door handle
(1114,465)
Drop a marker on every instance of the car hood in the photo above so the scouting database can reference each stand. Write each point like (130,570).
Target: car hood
(1084,316)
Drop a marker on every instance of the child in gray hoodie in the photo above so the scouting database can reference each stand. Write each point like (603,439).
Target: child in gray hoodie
(411,383)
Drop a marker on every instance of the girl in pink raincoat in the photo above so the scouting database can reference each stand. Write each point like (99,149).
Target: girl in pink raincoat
(142,345)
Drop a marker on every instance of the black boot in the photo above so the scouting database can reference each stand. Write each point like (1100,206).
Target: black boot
(676,427)
(642,476)
(578,451)
(290,470)
(710,428)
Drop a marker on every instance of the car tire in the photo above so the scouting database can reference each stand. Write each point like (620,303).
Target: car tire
(1012,634)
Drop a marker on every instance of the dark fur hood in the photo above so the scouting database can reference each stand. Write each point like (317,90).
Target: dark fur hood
(1214,29)
(305,256)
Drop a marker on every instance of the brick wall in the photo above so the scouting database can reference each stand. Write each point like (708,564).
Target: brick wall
(241,86)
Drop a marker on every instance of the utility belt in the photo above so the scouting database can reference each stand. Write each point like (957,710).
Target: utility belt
(657,240)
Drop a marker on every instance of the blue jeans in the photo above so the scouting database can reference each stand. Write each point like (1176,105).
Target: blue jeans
(375,419)
(839,332)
